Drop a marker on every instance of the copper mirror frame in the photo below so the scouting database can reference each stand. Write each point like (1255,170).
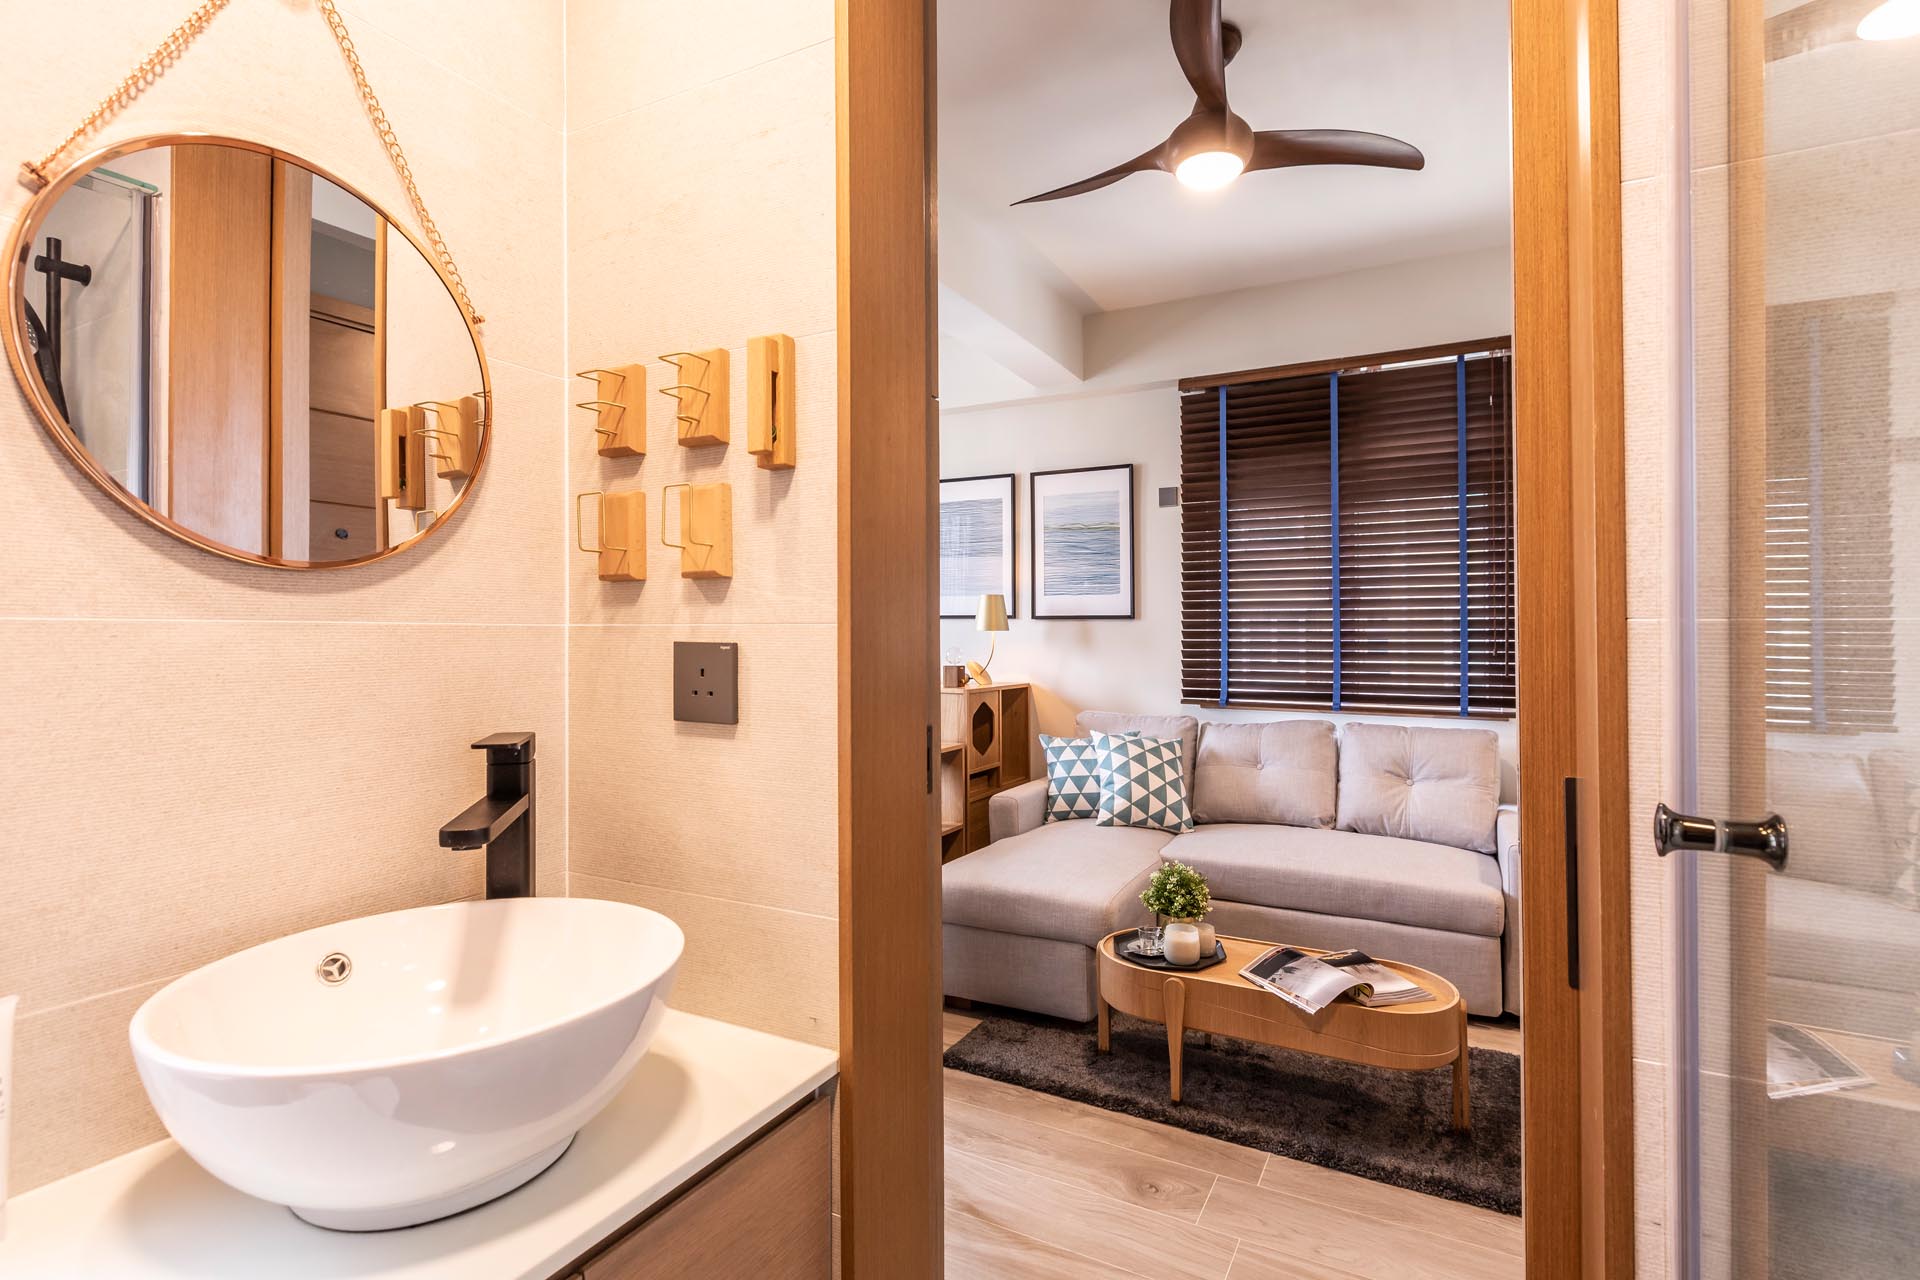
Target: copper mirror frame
(20,355)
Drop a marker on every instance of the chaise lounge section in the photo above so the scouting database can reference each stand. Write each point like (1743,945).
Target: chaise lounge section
(1383,837)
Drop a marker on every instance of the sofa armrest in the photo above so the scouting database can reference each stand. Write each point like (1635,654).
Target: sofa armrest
(1506,849)
(1016,809)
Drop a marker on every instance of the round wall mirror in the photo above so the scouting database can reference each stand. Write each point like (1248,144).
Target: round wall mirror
(246,352)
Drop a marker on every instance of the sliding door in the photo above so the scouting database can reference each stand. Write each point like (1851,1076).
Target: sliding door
(1794,1018)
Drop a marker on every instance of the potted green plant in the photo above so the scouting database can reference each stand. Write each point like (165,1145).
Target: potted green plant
(1177,894)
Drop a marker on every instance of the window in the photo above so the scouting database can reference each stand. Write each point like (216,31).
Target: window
(1347,535)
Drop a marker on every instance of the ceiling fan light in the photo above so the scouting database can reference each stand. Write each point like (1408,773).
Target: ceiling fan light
(1894,20)
(1209,170)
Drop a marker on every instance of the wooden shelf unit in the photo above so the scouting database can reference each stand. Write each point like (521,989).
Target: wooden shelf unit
(987,745)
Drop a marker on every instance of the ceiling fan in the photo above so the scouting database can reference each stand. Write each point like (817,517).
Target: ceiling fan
(1213,146)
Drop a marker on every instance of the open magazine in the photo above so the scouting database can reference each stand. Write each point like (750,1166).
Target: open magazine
(1311,983)
(1801,1063)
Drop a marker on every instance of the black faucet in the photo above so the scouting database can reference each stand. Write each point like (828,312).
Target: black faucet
(503,820)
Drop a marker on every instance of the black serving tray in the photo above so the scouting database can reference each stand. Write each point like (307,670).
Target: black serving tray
(1127,939)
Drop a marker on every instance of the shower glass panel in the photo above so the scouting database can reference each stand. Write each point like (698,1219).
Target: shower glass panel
(89,313)
(1796,1024)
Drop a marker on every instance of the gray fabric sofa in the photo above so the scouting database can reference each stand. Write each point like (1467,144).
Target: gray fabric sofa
(1850,893)
(1305,833)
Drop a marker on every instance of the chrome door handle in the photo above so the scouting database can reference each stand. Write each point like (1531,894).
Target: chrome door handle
(1765,839)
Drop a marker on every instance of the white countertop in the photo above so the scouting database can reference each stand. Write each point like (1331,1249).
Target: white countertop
(153,1214)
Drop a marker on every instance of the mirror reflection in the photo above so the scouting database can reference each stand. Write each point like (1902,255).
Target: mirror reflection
(249,350)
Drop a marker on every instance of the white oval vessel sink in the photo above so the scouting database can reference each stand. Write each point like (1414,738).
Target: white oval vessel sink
(394,1069)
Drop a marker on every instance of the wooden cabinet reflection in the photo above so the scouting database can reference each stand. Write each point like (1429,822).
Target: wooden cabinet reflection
(272,301)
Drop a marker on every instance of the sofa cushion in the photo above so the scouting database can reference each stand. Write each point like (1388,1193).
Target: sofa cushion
(1437,785)
(1854,799)
(1142,783)
(1341,873)
(1281,771)
(1075,881)
(1833,934)
(1073,778)
(1185,728)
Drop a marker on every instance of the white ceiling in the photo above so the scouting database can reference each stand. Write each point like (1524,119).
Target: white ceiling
(1034,94)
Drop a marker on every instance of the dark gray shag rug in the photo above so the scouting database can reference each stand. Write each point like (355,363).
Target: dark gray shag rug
(1390,1126)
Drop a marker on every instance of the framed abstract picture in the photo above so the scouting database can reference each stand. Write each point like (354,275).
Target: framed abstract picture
(976,543)
(1082,542)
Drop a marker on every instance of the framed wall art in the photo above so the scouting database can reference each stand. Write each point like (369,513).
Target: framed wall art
(976,543)
(1082,542)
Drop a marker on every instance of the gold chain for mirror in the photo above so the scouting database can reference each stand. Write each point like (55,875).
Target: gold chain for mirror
(37,176)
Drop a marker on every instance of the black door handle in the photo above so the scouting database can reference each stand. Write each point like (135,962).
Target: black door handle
(1765,839)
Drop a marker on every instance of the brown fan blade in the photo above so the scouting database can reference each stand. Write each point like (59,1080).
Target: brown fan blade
(1200,45)
(1286,148)
(1146,160)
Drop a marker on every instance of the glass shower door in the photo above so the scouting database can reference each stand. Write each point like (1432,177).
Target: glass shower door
(1795,1019)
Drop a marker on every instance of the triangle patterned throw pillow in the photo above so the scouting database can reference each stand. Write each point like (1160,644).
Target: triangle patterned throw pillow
(1073,778)
(1146,783)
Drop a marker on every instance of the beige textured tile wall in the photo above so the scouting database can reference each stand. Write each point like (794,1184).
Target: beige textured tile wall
(205,754)
(700,213)
(1646,220)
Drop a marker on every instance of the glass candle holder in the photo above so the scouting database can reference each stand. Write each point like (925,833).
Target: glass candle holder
(1182,944)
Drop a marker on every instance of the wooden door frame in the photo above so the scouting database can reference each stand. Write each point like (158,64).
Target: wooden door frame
(891,1155)
(1570,497)
(1570,505)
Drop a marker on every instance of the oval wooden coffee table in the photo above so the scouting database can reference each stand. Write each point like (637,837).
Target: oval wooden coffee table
(1409,1037)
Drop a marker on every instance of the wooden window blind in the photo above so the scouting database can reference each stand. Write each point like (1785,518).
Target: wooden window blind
(1829,541)
(1347,536)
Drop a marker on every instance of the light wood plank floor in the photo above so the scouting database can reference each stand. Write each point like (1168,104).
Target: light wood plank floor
(1040,1188)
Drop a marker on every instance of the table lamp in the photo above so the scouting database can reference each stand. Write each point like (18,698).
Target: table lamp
(992,617)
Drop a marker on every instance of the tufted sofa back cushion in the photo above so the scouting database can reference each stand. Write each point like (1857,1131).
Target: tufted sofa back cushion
(1437,785)
(1280,772)
(1119,723)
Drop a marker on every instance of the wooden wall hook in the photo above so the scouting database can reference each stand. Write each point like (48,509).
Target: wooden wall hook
(770,401)
(700,414)
(620,405)
(621,537)
(400,457)
(706,529)
(453,438)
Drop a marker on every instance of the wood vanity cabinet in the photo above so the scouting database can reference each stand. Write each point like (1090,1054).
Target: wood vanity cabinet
(765,1214)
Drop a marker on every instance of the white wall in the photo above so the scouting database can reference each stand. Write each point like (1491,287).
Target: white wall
(1135,665)
(1455,298)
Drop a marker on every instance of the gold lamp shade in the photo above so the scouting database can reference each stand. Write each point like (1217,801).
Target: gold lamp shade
(991,617)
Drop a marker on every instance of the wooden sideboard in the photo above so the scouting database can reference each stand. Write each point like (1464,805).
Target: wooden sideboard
(986,746)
